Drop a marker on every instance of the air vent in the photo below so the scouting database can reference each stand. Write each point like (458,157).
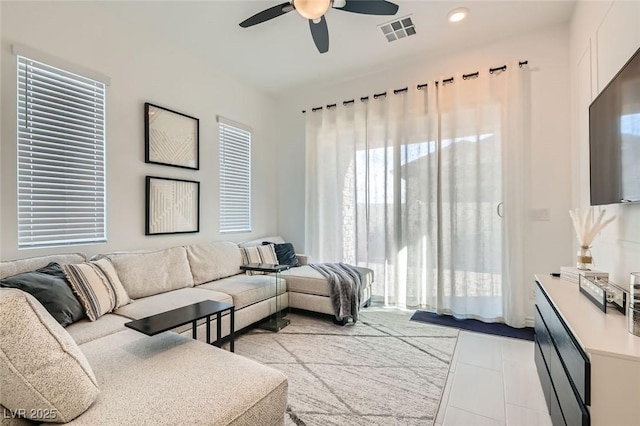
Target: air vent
(400,28)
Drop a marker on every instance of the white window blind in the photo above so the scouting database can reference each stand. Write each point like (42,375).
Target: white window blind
(235,177)
(61,157)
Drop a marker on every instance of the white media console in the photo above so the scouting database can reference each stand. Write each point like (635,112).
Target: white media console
(587,361)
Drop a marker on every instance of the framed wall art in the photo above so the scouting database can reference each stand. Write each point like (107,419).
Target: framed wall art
(172,206)
(171,138)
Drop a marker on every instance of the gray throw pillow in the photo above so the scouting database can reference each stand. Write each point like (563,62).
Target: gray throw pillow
(50,287)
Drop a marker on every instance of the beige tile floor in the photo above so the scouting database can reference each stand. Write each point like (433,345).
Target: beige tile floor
(492,381)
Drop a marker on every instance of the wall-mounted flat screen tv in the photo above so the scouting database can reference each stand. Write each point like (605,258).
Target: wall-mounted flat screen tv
(614,138)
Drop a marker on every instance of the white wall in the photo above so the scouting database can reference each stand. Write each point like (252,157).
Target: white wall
(143,67)
(604,35)
(547,51)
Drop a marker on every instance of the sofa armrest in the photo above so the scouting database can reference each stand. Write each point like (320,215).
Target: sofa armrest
(303,259)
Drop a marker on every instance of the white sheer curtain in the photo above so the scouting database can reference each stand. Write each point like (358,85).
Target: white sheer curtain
(516,192)
(410,184)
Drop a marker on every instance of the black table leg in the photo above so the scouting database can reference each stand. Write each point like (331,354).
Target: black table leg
(219,328)
(209,329)
(233,328)
(194,330)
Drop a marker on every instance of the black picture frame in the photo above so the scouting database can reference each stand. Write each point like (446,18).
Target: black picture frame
(172,206)
(171,138)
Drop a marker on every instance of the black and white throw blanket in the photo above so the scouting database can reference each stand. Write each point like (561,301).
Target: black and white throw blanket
(344,283)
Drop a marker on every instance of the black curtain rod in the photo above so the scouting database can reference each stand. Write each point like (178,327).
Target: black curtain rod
(419,86)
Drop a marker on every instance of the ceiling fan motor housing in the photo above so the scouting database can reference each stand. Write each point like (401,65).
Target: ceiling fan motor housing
(312,9)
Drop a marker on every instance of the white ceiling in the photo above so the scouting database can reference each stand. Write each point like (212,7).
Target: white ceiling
(280,54)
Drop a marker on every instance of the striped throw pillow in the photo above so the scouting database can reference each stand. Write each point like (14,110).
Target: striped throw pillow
(258,254)
(97,286)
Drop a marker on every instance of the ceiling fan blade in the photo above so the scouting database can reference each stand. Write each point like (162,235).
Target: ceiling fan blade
(320,34)
(265,15)
(370,7)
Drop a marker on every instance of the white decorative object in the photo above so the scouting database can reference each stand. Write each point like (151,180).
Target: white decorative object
(171,138)
(587,226)
(571,273)
(173,206)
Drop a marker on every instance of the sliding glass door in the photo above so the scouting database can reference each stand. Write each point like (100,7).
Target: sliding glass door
(416,186)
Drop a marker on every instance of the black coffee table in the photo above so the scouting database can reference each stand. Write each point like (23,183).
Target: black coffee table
(165,321)
(275,323)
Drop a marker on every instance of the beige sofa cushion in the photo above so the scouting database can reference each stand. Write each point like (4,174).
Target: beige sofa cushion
(163,302)
(9,418)
(173,380)
(305,279)
(212,261)
(247,290)
(41,367)
(84,331)
(15,267)
(147,273)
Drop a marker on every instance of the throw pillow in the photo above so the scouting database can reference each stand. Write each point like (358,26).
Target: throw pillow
(285,253)
(98,287)
(258,254)
(50,287)
(42,370)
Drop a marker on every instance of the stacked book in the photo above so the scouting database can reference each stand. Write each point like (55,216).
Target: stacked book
(571,273)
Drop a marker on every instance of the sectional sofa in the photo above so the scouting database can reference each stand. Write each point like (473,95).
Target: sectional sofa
(170,378)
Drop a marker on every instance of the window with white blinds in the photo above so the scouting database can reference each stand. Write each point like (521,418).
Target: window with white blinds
(235,177)
(61,157)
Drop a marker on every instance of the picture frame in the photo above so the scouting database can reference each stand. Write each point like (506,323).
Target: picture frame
(171,138)
(172,206)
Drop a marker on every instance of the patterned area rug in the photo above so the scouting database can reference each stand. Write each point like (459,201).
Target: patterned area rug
(383,370)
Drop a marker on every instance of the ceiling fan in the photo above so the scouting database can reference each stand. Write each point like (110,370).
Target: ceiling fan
(314,11)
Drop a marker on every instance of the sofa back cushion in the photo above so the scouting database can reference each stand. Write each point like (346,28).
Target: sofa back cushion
(212,261)
(42,370)
(152,272)
(15,267)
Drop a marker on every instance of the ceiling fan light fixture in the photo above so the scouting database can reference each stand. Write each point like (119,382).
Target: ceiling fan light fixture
(312,9)
(457,15)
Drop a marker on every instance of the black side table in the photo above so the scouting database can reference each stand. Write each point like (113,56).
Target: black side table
(276,322)
(165,321)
